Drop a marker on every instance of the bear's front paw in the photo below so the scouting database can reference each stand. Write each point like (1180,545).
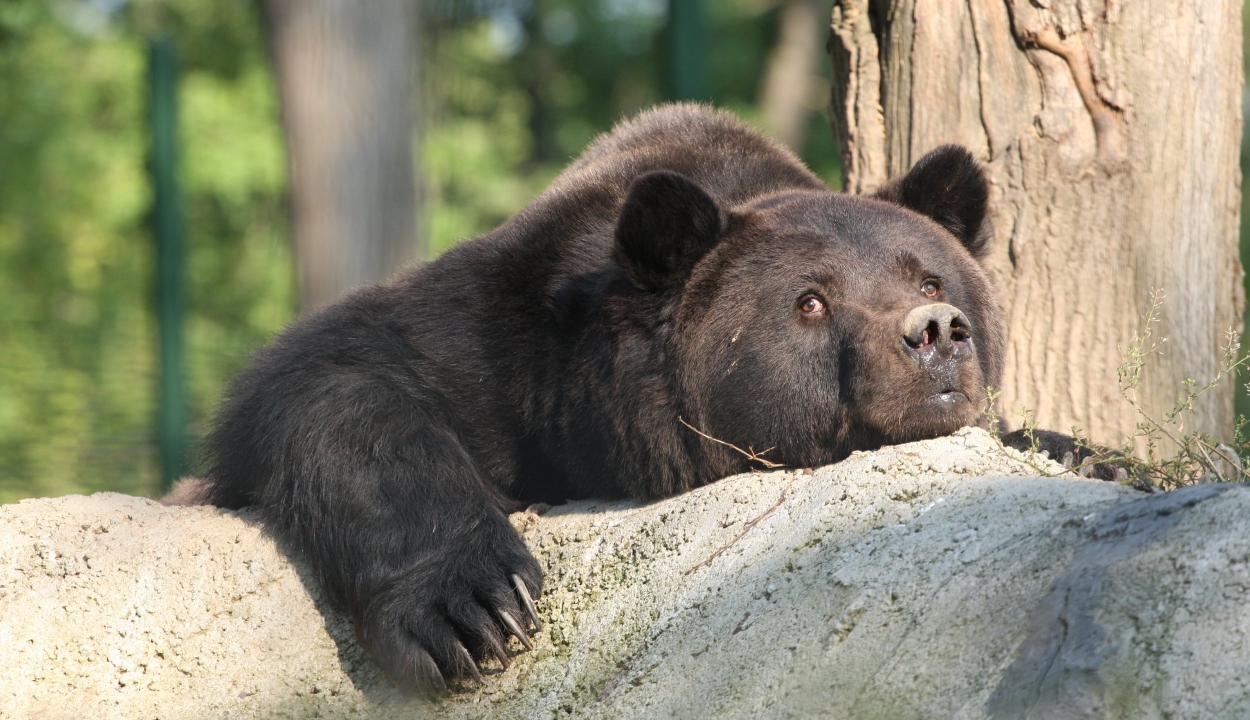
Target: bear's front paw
(1087,460)
(436,622)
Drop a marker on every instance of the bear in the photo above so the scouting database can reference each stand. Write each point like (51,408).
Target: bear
(684,281)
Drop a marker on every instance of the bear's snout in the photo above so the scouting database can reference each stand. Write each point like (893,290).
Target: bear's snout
(937,332)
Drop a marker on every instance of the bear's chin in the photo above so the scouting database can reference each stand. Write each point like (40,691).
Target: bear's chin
(936,416)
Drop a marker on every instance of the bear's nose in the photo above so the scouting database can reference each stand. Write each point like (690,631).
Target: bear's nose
(937,331)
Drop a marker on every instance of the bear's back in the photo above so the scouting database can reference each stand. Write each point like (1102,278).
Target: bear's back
(567,231)
(711,147)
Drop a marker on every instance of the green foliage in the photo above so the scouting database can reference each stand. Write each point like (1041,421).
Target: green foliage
(77,374)
(72,196)
(513,95)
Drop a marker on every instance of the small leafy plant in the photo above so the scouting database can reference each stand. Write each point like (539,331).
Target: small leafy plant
(1194,456)
(1198,456)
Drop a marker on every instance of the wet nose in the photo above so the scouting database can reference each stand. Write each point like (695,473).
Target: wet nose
(937,331)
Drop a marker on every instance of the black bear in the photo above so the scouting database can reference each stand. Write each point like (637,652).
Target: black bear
(684,274)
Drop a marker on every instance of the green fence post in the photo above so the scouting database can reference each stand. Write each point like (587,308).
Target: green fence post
(167,230)
(687,42)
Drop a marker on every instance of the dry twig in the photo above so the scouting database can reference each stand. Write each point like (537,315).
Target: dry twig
(751,455)
(747,528)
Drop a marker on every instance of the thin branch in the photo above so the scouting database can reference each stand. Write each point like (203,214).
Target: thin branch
(751,455)
(746,528)
(1154,422)
(1223,456)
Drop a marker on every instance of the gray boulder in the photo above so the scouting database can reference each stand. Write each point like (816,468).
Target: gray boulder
(942,579)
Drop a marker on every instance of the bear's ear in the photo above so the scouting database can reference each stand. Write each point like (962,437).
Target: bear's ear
(667,223)
(948,186)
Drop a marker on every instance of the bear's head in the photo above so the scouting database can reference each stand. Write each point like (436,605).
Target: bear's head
(819,323)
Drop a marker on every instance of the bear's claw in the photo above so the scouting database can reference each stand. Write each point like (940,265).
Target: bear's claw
(511,623)
(527,601)
(428,676)
(465,660)
(499,651)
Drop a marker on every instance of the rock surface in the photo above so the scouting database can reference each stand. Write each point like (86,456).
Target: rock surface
(941,579)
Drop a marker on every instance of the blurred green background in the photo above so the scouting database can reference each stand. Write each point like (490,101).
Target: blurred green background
(510,91)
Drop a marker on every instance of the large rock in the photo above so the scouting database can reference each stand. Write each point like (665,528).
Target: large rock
(897,584)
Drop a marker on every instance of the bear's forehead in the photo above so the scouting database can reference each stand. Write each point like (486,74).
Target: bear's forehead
(845,229)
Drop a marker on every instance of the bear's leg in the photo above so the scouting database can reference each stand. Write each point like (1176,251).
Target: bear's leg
(373,488)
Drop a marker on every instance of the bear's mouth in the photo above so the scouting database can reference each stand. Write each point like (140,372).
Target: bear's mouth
(948,396)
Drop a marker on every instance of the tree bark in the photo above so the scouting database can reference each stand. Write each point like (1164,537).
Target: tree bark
(1111,134)
(345,77)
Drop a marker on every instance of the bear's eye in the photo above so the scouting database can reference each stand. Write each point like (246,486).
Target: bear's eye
(930,288)
(811,306)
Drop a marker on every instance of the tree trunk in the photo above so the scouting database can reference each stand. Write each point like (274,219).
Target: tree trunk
(1111,132)
(345,76)
(791,75)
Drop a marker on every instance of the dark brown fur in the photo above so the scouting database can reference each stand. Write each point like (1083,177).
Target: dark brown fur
(668,273)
